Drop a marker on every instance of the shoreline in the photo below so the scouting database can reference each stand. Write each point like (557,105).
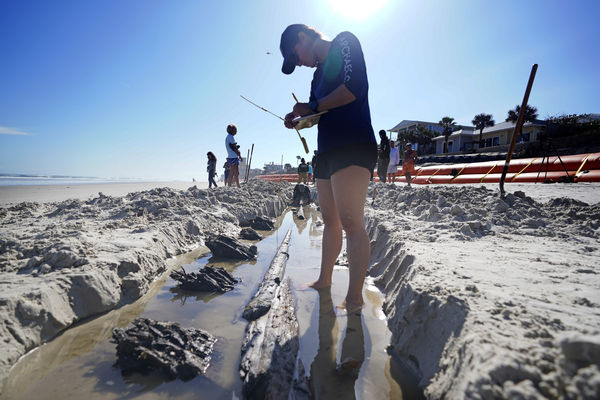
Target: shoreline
(11,195)
(15,194)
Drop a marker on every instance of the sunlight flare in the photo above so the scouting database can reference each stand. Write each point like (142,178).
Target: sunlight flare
(357,9)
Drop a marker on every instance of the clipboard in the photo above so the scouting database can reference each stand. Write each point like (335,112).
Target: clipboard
(307,121)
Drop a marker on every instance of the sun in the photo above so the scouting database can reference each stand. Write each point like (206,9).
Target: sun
(356,9)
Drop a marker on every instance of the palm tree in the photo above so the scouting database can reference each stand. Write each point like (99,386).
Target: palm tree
(530,116)
(482,121)
(424,137)
(448,126)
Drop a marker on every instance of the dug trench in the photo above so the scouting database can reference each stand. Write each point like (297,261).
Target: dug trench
(82,359)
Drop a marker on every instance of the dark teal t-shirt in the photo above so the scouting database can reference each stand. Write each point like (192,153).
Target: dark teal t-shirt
(349,124)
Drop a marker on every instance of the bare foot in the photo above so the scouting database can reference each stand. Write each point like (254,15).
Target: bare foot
(347,308)
(315,285)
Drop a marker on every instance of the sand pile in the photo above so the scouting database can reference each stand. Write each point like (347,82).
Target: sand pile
(489,297)
(62,262)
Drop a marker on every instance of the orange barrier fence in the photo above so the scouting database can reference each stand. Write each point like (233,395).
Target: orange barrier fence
(571,163)
(583,167)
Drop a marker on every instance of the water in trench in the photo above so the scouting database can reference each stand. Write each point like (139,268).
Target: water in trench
(79,363)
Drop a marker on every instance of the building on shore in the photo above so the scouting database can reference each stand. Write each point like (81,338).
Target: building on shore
(466,138)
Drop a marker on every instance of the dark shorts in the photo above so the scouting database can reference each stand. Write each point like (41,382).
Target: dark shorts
(233,161)
(361,154)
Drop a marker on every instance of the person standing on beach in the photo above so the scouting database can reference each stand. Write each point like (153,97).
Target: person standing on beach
(383,156)
(408,163)
(233,156)
(313,163)
(211,168)
(302,171)
(226,172)
(347,149)
(394,161)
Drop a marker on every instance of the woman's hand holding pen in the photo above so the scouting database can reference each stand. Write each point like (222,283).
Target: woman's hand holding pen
(300,109)
(288,120)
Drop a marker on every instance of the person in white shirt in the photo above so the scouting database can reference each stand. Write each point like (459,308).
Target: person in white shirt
(394,161)
(233,156)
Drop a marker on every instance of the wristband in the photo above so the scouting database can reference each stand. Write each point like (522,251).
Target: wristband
(314,105)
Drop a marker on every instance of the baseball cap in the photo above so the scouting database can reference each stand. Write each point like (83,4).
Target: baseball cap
(289,38)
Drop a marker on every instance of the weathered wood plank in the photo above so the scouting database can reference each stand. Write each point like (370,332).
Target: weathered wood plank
(226,247)
(261,302)
(270,351)
(209,279)
(163,346)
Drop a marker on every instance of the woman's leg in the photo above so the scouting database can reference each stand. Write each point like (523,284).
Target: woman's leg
(349,186)
(332,234)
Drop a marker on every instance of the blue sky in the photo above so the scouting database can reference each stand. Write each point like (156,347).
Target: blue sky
(144,88)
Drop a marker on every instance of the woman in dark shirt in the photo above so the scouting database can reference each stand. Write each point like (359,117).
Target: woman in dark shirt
(211,168)
(347,150)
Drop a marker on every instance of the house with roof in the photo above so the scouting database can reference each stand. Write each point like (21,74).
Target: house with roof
(408,125)
(466,139)
(462,140)
(498,137)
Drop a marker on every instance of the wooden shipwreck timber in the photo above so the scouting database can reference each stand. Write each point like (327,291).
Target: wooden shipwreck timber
(271,342)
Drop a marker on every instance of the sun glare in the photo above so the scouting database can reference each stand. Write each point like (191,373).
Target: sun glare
(356,9)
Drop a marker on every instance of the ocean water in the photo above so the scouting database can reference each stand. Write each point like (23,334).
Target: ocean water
(21,180)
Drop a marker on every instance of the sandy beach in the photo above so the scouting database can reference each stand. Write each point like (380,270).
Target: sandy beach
(485,297)
(489,297)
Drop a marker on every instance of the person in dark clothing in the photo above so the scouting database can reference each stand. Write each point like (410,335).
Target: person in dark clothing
(313,162)
(383,157)
(303,172)
(347,149)
(226,172)
(211,168)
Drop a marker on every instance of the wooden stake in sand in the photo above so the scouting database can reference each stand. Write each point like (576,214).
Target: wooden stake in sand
(517,127)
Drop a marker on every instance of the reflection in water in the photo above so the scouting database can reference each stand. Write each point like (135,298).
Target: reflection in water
(301,223)
(182,295)
(316,225)
(328,380)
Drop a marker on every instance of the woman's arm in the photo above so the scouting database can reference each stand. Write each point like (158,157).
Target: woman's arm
(340,96)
